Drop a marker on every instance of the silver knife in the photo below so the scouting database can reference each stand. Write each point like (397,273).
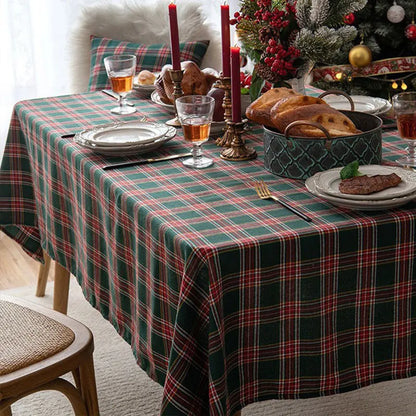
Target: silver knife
(113,94)
(141,161)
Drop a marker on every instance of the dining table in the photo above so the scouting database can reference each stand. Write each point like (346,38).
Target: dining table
(226,299)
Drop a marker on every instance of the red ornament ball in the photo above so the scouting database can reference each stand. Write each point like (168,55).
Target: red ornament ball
(410,31)
(349,19)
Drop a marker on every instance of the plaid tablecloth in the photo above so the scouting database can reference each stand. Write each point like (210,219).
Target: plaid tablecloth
(226,299)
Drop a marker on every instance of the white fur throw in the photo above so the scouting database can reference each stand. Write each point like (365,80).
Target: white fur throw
(140,22)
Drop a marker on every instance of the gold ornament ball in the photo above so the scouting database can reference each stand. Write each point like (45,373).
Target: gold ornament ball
(360,56)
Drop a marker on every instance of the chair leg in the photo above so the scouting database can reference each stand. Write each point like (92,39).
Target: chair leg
(43,275)
(76,377)
(61,289)
(59,384)
(88,386)
(6,412)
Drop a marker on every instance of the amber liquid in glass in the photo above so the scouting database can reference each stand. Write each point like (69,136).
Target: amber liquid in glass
(122,84)
(406,123)
(196,130)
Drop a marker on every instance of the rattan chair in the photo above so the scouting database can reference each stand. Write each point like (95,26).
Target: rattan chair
(37,347)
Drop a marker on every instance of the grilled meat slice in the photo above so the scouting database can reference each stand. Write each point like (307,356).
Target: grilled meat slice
(364,185)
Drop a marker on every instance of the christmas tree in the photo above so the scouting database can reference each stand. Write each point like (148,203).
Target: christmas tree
(387,29)
(284,38)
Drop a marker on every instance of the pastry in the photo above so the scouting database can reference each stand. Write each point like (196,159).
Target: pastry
(146,77)
(194,81)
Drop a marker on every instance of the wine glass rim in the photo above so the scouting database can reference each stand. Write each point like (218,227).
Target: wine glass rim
(190,98)
(120,57)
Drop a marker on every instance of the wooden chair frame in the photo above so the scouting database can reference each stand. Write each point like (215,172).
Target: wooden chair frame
(44,375)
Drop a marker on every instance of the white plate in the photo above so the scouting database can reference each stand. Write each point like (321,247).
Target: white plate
(387,106)
(328,183)
(156,99)
(124,134)
(141,87)
(355,205)
(362,103)
(134,149)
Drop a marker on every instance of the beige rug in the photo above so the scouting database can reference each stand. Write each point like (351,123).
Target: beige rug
(125,390)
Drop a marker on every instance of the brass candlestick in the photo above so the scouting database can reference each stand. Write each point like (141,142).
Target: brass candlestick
(176,76)
(225,84)
(238,150)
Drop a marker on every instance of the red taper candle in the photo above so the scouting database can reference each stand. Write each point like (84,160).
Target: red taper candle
(174,38)
(225,39)
(235,85)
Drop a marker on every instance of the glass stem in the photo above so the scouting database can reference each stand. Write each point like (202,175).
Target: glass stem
(411,149)
(196,152)
(122,101)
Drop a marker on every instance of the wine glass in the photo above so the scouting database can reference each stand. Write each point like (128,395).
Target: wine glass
(195,114)
(404,105)
(120,70)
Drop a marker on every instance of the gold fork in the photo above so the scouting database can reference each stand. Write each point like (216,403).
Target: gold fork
(264,193)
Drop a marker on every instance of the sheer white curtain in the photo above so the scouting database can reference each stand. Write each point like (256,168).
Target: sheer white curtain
(33,58)
(34,51)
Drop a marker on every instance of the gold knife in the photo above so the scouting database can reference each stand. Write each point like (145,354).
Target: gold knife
(141,161)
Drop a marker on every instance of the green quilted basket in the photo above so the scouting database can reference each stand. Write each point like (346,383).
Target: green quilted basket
(300,158)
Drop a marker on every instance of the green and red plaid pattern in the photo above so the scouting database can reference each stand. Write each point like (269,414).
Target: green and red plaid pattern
(150,57)
(226,299)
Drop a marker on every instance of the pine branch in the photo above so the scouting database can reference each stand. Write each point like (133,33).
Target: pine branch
(303,13)
(366,30)
(373,45)
(319,12)
(321,44)
(340,8)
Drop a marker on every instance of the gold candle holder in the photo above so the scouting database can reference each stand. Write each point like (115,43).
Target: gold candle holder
(176,76)
(225,84)
(237,151)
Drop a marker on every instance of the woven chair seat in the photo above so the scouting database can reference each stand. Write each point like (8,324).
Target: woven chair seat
(37,347)
(28,337)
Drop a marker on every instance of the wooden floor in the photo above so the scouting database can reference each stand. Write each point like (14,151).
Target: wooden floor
(16,267)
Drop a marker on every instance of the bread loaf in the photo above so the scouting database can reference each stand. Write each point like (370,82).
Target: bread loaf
(291,102)
(279,107)
(333,120)
(259,110)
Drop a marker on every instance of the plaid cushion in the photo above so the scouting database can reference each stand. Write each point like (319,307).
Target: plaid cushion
(150,57)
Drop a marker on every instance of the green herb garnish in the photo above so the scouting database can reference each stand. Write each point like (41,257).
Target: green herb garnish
(350,170)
